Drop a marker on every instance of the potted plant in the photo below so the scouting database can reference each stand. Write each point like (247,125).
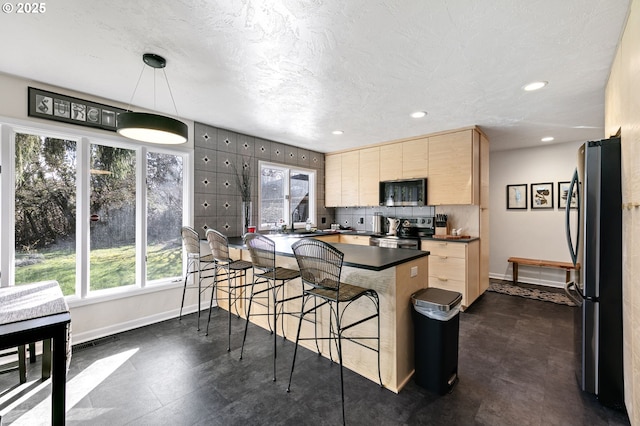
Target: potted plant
(243,180)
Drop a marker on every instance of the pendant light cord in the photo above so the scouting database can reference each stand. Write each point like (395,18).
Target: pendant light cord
(154,90)
(170,92)
(136,88)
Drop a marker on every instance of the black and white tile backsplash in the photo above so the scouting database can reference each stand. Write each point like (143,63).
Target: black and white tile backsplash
(217,201)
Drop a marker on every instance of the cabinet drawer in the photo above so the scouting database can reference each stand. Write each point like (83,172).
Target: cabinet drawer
(452,268)
(452,285)
(445,248)
(362,240)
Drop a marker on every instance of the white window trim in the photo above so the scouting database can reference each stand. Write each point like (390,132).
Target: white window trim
(313,178)
(8,128)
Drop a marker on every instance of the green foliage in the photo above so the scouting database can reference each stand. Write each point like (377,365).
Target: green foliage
(45,190)
(110,268)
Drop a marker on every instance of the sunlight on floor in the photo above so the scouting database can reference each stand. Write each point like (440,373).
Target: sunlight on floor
(77,388)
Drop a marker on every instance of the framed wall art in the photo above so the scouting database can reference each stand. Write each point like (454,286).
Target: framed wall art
(517,196)
(542,195)
(56,107)
(563,195)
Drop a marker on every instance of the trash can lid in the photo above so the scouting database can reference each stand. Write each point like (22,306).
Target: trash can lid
(436,299)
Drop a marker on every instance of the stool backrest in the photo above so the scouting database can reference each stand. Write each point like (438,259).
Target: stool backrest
(219,246)
(190,240)
(320,263)
(262,250)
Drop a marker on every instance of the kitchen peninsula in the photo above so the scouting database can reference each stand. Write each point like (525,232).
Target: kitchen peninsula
(393,273)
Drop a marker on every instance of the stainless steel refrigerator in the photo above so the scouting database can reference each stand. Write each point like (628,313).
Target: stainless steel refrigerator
(594,236)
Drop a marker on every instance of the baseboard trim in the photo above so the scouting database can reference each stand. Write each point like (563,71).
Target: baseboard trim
(528,280)
(99,333)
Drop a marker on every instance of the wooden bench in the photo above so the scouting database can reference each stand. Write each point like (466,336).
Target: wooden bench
(567,266)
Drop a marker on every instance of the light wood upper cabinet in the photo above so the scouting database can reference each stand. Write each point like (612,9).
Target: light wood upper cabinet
(350,178)
(415,158)
(454,168)
(341,179)
(333,180)
(369,176)
(451,162)
(391,161)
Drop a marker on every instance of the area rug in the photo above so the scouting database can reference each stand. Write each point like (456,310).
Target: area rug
(529,293)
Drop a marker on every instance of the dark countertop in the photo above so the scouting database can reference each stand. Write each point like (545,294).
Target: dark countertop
(357,256)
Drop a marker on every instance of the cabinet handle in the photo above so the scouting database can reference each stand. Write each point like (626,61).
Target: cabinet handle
(444,257)
(443,279)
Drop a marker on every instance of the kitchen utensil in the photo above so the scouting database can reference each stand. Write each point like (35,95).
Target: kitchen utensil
(393,225)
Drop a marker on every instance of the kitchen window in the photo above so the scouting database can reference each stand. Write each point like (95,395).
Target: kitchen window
(286,195)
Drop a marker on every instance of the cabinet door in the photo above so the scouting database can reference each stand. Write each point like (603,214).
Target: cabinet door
(391,161)
(453,163)
(333,180)
(369,176)
(350,171)
(415,158)
(329,238)
(360,240)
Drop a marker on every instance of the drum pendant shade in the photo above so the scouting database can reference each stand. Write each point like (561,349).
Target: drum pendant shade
(153,128)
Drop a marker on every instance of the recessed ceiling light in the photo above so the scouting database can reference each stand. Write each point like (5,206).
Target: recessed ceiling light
(547,139)
(535,86)
(418,114)
(337,132)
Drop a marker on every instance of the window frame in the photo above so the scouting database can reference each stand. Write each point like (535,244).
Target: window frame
(288,170)
(84,138)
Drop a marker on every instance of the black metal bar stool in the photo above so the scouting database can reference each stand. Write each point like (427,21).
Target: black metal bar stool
(227,271)
(263,258)
(320,268)
(197,263)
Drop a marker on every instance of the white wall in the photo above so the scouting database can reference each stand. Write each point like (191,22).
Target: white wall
(538,234)
(14,102)
(97,317)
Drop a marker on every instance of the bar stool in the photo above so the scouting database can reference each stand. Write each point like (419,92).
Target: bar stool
(263,259)
(320,268)
(197,263)
(231,270)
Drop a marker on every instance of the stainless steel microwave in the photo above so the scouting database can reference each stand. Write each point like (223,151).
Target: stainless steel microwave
(407,192)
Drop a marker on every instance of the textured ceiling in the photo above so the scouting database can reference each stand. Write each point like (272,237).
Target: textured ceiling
(295,70)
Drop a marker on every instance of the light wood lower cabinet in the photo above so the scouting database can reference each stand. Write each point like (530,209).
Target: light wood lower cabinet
(362,240)
(455,267)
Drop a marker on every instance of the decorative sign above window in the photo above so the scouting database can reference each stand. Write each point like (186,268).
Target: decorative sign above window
(52,106)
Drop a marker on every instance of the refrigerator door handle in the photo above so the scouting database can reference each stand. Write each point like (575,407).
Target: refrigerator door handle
(573,249)
(570,288)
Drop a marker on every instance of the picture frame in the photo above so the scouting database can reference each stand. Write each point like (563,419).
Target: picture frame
(563,191)
(67,109)
(542,195)
(517,197)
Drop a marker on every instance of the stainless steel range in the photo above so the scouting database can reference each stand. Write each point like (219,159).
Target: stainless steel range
(409,233)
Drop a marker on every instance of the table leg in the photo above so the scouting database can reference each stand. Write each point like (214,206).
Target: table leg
(515,273)
(46,359)
(22,363)
(58,381)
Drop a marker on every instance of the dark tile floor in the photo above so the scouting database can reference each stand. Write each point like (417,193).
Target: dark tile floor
(515,367)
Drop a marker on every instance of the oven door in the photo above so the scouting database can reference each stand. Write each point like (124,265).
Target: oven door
(395,243)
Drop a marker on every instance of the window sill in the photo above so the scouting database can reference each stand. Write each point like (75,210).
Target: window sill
(123,292)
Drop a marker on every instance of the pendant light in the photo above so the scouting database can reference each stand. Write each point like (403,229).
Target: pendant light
(147,127)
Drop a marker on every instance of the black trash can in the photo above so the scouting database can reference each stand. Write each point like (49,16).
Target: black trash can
(436,322)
